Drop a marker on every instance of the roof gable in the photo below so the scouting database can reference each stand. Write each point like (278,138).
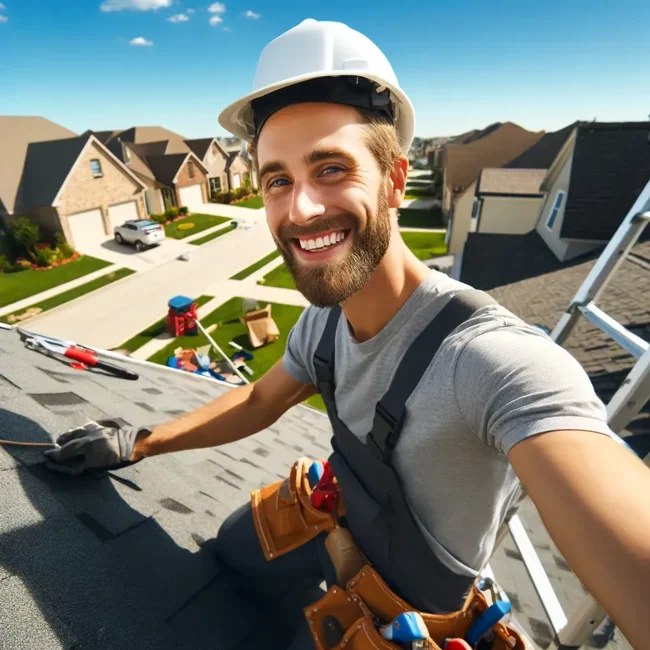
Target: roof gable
(610,168)
(16,134)
(463,163)
(542,154)
(201,146)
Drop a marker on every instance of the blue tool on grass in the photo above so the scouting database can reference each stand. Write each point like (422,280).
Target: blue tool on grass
(314,474)
(406,628)
(488,619)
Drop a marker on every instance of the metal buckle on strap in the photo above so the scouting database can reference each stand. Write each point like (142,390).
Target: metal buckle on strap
(384,427)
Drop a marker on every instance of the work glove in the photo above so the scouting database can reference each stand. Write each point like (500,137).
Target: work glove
(95,447)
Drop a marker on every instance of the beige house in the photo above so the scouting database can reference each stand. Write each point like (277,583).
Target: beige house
(73,185)
(215,160)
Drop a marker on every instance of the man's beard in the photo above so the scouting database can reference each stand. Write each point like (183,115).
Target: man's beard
(333,282)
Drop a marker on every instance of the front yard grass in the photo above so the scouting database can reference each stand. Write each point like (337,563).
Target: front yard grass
(214,235)
(425,245)
(71,294)
(23,284)
(254,202)
(200,221)
(229,328)
(421,218)
(279,277)
(249,270)
(154,330)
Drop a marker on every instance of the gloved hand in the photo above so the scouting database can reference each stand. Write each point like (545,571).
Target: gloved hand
(94,447)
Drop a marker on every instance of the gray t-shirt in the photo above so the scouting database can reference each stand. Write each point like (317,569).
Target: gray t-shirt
(494,382)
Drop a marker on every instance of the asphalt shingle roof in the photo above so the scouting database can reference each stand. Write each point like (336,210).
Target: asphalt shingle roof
(542,154)
(166,167)
(611,165)
(199,146)
(518,182)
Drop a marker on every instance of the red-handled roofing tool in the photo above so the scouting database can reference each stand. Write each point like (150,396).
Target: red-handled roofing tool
(325,493)
(80,358)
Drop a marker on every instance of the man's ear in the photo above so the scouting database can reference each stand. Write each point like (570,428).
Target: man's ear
(397,182)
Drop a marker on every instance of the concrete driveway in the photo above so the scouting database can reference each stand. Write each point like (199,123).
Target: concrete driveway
(108,317)
(127,256)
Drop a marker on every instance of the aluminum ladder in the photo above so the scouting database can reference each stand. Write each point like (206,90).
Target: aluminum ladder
(626,403)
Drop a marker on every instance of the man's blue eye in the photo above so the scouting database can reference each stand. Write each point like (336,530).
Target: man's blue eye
(328,170)
(278,180)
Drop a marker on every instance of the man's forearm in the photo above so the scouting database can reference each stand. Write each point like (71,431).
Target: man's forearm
(228,418)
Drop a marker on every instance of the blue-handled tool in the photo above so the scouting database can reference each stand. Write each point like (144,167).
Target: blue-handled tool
(406,628)
(314,474)
(488,619)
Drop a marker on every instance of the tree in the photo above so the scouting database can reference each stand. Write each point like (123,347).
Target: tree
(27,234)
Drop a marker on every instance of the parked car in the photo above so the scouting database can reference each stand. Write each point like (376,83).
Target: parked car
(140,232)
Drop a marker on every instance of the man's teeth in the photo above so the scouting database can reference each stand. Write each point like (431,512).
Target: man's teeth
(322,242)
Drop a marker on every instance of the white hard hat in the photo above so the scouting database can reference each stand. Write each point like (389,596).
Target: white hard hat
(318,50)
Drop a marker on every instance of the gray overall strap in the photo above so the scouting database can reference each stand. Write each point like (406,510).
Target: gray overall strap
(390,412)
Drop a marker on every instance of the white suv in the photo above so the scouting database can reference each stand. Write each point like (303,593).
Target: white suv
(140,232)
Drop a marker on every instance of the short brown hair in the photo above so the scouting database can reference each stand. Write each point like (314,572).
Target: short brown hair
(381,138)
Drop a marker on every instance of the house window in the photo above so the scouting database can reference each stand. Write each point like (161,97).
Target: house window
(559,197)
(96,168)
(215,185)
(190,169)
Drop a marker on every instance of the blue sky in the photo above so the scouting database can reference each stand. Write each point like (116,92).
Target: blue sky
(464,63)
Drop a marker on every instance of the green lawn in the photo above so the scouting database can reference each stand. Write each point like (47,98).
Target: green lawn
(249,270)
(254,202)
(418,218)
(280,277)
(417,182)
(200,221)
(418,192)
(214,235)
(71,294)
(154,330)
(425,245)
(23,284)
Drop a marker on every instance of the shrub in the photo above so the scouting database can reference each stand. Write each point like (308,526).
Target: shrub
(65,250)
(184,211)
(27,234)
(170,214)
(240,192)
(158,218)
(255,190)
(44,257)
(185,226)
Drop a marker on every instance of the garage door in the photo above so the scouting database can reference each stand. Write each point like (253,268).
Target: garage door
(87,228)
(191,196)
(121,212)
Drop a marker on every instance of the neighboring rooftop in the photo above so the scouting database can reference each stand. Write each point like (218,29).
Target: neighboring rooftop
(200,146)
(474,134)
(166,167)
(515,182)
(464,162)
(16,134)
(144,134)
(610,167)
(542,154)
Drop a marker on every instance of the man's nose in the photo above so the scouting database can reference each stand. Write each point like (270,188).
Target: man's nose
(305,205)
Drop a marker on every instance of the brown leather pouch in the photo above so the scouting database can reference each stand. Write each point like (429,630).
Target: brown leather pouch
(386,605)
(283,515)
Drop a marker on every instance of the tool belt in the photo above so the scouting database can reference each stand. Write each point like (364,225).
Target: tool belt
(285,518)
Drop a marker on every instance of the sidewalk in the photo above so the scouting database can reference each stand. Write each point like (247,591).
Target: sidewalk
(55,291)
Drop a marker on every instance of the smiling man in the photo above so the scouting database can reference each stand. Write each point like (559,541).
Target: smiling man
(441,401)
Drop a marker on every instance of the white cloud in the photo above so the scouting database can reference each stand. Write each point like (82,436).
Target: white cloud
(251,14)
(215,20)
(4,19)
(217,8)
(178,18)
(191,11)
(2,7)
(134,5)
(140,42)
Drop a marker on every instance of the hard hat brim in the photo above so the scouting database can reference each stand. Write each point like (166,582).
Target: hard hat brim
(235,116)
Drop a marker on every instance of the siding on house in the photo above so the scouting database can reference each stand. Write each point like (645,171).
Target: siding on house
(461,219)
(184,180)
(217,166)
(84,192)
(240,167)
(509,215)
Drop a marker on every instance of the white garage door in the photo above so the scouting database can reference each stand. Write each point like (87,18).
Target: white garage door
(87,228)
(121,212)
(191,196)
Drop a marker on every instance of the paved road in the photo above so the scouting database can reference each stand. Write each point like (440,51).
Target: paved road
(109,317)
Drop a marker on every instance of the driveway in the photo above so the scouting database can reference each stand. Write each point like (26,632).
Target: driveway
(127,256)
(108,317)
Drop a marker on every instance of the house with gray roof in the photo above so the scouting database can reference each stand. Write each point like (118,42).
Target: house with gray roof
(64,182)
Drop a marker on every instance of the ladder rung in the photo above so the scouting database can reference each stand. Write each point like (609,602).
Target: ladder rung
(634,344)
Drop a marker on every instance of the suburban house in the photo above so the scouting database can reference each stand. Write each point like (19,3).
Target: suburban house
(463,164)
(173,174)
(214,159)
(64,182)
(239,166)
(592,183)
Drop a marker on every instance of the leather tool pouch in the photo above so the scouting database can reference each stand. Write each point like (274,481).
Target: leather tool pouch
(283,515)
